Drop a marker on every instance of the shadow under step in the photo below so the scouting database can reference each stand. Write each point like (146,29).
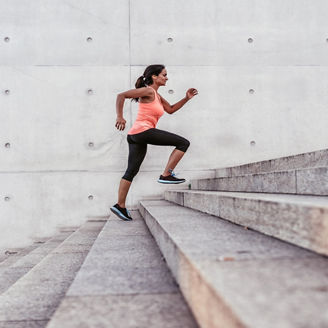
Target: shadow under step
(312,181)
(298,219)
(232,277)
(31,300)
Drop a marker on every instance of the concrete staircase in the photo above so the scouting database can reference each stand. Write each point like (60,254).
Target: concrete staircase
(106,273)
(246,250)
(207,257)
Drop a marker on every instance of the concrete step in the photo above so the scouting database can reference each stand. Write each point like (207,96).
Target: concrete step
(11,255)
(298,219)
(31,300)
(124,282)
(307,160)
(312,181)
(11,273)
(232,277)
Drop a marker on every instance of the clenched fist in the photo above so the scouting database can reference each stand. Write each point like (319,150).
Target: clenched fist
(191,92)
(120,123)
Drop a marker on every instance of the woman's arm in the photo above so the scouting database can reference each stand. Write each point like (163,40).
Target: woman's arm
(173,108)
(133,93)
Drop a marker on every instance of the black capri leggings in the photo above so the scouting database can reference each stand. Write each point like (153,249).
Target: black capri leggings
(138,147)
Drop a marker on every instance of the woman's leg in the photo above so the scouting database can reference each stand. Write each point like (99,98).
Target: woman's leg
(123,192)
(164,138)
(137,153)
(174,159)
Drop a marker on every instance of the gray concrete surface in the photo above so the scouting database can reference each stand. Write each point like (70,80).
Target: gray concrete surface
(35,296)
(124,282)
(261,78)
(305,160)
(10,273)
(311,181)
(298,219)
(233,277)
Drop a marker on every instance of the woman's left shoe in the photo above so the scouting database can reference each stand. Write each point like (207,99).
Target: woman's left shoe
(122,213)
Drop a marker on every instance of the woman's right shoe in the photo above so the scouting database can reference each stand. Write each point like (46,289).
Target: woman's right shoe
(171,179)
(122,213)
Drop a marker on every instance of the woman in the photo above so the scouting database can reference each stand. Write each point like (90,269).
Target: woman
(143,132)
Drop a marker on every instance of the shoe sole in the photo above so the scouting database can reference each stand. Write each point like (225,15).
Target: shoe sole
(170,182)
(119,214)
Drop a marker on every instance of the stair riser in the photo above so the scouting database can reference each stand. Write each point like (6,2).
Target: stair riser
(303,182)
(194,288)
(313,159)
(301,225)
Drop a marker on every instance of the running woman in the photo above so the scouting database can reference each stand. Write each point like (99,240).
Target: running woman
(151,107)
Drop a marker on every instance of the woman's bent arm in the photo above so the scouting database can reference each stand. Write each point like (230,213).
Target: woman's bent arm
(173,108)
(134,93)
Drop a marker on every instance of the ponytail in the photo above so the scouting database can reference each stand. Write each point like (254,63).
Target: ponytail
(146,78)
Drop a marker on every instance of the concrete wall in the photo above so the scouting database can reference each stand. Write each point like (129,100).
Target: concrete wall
(260,67)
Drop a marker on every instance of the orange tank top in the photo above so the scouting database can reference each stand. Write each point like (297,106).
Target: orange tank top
(148,115)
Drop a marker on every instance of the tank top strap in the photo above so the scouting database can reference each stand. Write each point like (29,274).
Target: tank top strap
(156,95)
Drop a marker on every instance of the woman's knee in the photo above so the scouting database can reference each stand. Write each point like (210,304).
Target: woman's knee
(183,145)
(129,175)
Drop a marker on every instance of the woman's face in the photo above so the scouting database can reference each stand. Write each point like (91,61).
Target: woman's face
(162,77)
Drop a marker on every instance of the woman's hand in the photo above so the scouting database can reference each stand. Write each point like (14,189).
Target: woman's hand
(191,92)
(120,123)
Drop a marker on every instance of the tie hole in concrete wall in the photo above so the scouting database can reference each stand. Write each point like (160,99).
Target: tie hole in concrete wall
(90,91)
(90,197)
(250,40)
(253,143)
(89,39)
(251,91)
(169,39)
(7,145)
(7,92)
(171,91)
(7,39)
(7,199)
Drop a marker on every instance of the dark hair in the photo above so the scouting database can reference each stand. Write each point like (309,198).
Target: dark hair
(146,78)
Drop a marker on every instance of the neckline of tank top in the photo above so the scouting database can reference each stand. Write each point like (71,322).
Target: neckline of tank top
(154,98)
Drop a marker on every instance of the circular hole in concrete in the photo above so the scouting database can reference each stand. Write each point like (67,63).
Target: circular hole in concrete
(90,197)
(169,39)
(253,143)
(7,145)
(171,91)
(7,198)
(89,39)
(7,39)
(250,40)
(251,91)
(7,92)
(90,91)
(91,144)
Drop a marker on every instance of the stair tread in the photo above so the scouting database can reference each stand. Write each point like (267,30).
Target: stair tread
(310,169)
(122,277)
(321,201)
(25,262)
(307,159)
(249,272)
(36,295)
